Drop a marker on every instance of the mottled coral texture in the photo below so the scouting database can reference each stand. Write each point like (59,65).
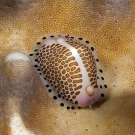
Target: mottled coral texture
(25,107)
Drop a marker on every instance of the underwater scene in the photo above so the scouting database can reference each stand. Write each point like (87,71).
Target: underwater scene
(67,67)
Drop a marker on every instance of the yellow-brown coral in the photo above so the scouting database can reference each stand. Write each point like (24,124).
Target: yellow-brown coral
(109,25)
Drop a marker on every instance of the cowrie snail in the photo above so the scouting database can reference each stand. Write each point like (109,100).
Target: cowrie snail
(70,70)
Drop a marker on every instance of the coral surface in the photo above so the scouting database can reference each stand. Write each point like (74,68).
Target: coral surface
(25,107)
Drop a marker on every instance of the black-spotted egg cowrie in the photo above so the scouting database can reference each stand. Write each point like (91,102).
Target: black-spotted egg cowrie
(70,70)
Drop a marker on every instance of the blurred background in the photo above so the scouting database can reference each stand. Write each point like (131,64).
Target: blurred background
(110,27)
